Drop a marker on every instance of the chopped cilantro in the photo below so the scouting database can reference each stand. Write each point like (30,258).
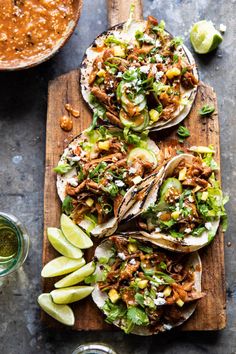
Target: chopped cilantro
(206,110)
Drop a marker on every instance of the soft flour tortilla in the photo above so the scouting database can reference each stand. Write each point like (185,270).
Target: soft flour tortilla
(99,297)
(128,201)
(118,31)
(189,243)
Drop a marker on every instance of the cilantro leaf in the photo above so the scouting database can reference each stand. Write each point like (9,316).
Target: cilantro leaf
(206,110)
(137,316)
(62,169)
(67,205)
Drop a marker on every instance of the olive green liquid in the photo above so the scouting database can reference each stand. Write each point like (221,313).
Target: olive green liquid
(8,240)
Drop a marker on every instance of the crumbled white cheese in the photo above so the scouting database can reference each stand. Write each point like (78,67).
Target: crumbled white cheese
(158,43)
(222,28)
(160,294)
(191,199)
(159,75)
(145,69)
(119,183)
(132,261)
(75,158)
(83,153)
(208,225)
(110,177)
(188,230)
(121,255)
(159,301)
(154,69)
(132,170)
(158,280)
(158,58)
(159,214)
(73,182)
(146,38)
(167,327)
(119,74)
(157,229)
(99,65)
(137,179)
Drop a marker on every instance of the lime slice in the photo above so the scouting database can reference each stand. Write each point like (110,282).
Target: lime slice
(74,233)
(204,37)
(61,244)
(61,265)
(61,313)
(76,277)
(72,294)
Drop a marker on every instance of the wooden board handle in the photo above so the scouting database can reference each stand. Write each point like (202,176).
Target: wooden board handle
(118,10)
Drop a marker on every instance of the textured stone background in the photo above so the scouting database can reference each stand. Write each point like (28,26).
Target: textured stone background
(23,106)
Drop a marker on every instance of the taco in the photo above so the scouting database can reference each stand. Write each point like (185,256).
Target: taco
(143,289)
(138,76)
(188,204)
(102,173)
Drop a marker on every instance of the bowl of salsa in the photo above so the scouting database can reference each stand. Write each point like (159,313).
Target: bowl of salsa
(32,31)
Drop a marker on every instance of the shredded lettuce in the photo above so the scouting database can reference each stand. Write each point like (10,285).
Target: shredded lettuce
(67,205)
(63,168)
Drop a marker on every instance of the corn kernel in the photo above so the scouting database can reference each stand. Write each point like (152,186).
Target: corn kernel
(89,202)
(154,115)
(142,284)
(167,291)
(104,145)
(113,295)
(175,215)
(101,73)
(132,247)
(119,51)
(180,303)
(172,73)
(182,174)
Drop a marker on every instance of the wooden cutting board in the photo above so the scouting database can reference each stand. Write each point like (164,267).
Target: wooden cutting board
(210,313)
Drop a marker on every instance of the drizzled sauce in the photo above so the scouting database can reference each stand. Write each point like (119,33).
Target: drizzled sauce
(29,28)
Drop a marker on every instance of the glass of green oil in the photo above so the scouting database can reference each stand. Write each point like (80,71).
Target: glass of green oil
(94,348)
(14,244)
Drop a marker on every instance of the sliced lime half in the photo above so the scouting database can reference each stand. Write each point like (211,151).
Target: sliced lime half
(74,233)
(72,294)
(204,37)
(61,244)
(76,277)
(61,265)
(61,313)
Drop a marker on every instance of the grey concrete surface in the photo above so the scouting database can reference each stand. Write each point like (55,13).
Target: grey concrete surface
(23,103)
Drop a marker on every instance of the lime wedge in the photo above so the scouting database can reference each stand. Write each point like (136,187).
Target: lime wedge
(76,277)
(74,233)
(61,313)
(61,244)
(204,37)
(61,265)
(72,294)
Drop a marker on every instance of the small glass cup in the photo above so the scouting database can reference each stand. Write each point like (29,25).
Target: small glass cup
(12,263)
(94,348)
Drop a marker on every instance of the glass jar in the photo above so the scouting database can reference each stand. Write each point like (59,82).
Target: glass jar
(13,238)
(94,348)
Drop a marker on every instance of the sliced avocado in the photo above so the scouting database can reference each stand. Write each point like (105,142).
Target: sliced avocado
(142,154)
(167,184)
(136,123)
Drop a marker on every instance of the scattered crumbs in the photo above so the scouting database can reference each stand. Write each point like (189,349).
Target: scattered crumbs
(229,244)
(17,159)
(222,28)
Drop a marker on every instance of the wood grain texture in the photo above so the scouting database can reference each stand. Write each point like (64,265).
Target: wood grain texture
(118,10)
(210,313)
